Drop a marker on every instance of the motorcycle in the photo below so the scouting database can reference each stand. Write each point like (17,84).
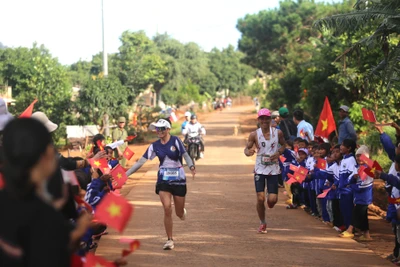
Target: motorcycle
(193,143)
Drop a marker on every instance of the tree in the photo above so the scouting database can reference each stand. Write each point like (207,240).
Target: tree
(34,74)
(98,96)
(227,67)
(379,22)
(139,62)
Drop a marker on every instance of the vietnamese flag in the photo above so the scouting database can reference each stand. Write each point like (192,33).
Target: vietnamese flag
(367,160)
(28,111)
(291,181)
(293,168)
(392,200)
(302,170)
(299,177)
(371,169)
(326,123)
(119,175)
(114,211)
(282,159)
(98,163)
(99,144)
(133,245)
(83,203)
(130,137)
(321,164)
(128,154)
(368,115)
(97,261)
(325,192)
(361,173)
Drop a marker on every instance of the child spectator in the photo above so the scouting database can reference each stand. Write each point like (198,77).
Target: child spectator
(296,188)
(320,178)
(348,166)
(112,162)
(290,156)
(362,198)
(332,204)
(394,181)
(97,189)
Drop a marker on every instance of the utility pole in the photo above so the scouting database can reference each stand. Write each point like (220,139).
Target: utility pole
(105,60)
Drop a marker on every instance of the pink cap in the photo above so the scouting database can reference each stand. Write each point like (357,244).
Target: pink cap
(264,112)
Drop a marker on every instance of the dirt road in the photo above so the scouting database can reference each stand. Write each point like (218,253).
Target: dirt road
(221,225)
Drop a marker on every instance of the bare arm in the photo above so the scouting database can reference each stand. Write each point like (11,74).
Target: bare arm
(251,141)
(282,142)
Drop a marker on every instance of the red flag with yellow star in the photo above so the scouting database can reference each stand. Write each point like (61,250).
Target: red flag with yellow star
(326,123)
(371,170)
(97,261)
(114,210)
(128,154)
(133,245)
(321,164)
(368,115)
(119,175)
(98,164)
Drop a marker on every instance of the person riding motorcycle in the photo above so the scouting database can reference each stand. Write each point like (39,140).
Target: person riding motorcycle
(195,127)
(187,119)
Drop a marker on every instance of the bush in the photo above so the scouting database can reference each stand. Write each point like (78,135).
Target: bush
(371,138)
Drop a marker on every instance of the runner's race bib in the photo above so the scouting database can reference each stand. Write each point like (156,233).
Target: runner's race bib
(266,160)
(171,174)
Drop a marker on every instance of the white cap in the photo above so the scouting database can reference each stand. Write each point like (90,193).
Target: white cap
(363,150)
(344,108)
(188,114)
(5,116)
(160,123)
(40,116)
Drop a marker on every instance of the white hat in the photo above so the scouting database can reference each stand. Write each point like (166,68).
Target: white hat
(5,116)
(160,123)
(344,108)
(363,150)
(40,116)
(188,114)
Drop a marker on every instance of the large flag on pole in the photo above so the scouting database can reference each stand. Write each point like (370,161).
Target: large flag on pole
(326,123)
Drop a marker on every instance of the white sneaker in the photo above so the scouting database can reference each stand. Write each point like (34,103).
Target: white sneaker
(169,245)
(184,215)
(201,155)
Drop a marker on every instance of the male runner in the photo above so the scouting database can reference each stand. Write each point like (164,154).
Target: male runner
(269,144)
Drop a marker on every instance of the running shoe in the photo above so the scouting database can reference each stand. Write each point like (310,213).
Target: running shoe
(169,245)
(262,229)
(291,207)
(184,215)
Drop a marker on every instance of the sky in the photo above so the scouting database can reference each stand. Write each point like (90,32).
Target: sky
(72,29)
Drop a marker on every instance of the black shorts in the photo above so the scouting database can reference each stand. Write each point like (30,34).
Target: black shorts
(175,190)
(271,182)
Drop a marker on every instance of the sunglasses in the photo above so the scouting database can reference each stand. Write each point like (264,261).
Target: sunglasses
(161,129)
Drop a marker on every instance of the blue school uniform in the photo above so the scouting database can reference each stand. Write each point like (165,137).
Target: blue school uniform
(348,166)
(390,149)
(95,192)
(290,159)
(362,190)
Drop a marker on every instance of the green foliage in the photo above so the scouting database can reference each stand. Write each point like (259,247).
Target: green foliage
(34,74)
(99,96)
